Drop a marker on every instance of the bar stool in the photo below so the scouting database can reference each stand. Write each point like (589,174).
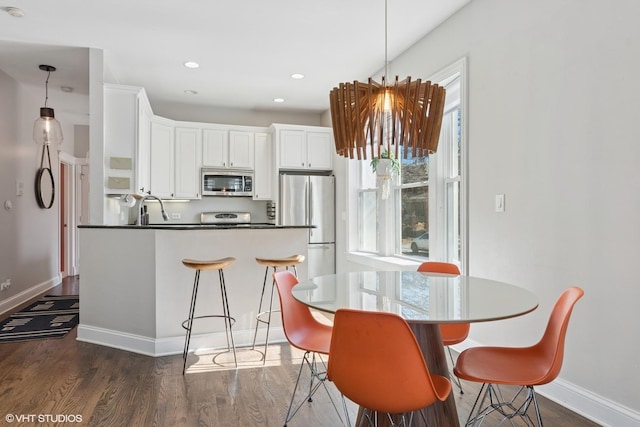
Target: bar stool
(198,266)
(274,263)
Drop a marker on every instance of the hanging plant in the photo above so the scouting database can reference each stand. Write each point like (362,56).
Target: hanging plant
(384,167)
(387,162)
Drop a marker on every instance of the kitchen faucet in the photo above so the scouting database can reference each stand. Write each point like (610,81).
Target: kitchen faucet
(141,205)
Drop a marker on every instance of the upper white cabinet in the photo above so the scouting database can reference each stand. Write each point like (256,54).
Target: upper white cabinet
(143,160)
(241,149)
(223,148)
(162,158)
(188,141)
(264,172)
(126,139)
(215,147)
(175,160)
(304,148)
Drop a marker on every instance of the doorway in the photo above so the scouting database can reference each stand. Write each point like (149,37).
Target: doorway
(73,210)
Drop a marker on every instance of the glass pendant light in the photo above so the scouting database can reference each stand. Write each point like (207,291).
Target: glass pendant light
(46,129)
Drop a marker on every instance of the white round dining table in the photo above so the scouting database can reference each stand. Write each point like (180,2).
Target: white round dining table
(424,300)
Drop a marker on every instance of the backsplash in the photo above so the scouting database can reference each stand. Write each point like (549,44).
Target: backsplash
(189,211)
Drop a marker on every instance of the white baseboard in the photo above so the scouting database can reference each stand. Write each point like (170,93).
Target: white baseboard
(172,345)
(581,401)
(120,340)
(24,296)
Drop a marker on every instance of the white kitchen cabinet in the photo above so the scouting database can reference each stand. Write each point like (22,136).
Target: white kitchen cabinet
(188,143)
(162,158)
(227,149)
(320,150)
(126,139)
(215,147)
(305,148)
(143,159)
(241,149)
(264,170)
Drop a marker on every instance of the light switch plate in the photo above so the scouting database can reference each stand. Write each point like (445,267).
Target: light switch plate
(499,202)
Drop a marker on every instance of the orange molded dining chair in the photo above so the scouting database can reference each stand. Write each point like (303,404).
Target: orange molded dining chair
(304,332)
(525,367)
(452,333)
(376,362)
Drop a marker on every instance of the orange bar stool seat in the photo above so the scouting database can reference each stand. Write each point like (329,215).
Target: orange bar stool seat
(265,316)
(452,333)
(525,367)
(198,266)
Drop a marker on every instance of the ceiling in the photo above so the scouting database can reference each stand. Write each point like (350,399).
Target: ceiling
(247,49)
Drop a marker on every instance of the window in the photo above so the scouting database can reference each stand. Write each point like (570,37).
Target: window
(425,217)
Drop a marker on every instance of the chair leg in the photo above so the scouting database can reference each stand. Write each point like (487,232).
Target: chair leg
(227,316)
(264,285)
(455,379)
(266,338)
(192,308)
(261,313)
(506,408)
(318,378)
(346,410)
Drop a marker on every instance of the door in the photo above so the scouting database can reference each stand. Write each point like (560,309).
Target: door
(322,209)
(63,219)
(321,259)
(294,209)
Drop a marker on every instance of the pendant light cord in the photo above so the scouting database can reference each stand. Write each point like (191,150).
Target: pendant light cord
(46,89)
(385,40)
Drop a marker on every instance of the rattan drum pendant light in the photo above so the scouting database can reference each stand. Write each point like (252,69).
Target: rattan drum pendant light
(378,118)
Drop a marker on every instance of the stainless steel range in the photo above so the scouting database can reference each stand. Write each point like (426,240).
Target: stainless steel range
(234,219)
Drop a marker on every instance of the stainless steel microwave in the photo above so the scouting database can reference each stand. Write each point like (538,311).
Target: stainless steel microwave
(220,182)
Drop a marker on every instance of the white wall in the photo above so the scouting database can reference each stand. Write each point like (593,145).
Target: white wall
(233,116)
(29,235)
(552,124)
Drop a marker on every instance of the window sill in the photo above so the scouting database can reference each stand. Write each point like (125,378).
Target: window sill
(377,262)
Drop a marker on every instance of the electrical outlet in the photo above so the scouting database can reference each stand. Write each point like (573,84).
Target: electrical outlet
(176,215)
(5,285)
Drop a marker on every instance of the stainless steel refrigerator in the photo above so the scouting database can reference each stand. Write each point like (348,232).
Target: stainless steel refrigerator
(310,200)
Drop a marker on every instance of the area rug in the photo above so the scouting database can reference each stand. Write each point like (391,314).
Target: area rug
(51,316)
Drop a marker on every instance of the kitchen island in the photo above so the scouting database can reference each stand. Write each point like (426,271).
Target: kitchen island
(135,291)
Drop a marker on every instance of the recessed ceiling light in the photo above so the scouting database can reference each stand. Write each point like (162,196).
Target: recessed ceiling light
(297,76)
(278,100)
(14,11)
(191,64)
(190,92)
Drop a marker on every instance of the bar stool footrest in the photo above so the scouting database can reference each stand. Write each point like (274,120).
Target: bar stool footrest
(232,320)
(264,313)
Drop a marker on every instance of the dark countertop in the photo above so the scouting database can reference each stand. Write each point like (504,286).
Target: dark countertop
(255,226)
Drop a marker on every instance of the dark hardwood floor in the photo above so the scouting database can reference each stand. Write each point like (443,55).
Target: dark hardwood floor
(69,379)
